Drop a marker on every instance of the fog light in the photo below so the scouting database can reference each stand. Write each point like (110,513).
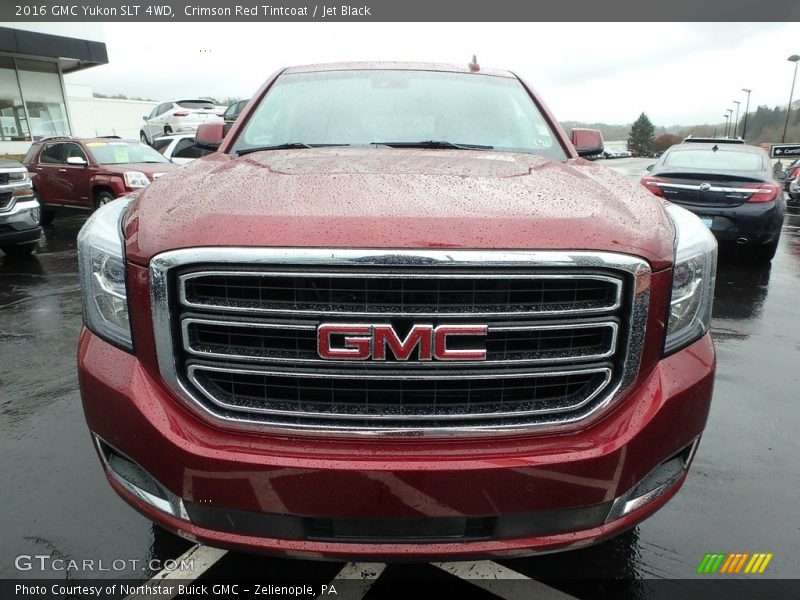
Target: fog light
(138,481)
(35,214)
(655,484)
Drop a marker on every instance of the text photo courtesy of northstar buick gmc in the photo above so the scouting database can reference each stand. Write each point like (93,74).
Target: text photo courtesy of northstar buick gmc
(388,278)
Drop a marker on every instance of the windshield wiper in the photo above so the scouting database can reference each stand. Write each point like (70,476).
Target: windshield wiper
(287,146)
(435,144)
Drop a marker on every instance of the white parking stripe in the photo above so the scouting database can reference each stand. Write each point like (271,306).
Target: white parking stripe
(198,558)
(360,576)
(485,575)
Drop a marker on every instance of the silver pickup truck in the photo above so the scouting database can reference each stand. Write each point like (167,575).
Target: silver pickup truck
(19,211)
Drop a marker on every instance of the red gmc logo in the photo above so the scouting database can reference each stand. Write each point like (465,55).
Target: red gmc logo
(361,342)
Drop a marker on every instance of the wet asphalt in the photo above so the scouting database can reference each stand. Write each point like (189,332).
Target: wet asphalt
(741,494)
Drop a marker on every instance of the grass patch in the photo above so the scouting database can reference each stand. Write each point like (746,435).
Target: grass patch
(16,157)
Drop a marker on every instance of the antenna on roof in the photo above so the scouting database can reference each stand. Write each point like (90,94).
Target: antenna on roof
(474,67)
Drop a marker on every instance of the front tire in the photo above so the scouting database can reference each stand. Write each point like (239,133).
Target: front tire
(143,137)
(103,198)
(167,130)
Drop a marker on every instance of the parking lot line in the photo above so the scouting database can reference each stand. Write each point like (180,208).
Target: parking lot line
(198,558)
(361,576)
(486,574)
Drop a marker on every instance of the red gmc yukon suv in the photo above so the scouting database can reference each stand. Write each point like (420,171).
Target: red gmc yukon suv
(395,316)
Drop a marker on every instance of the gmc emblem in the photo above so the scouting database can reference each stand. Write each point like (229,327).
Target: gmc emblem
(361,342)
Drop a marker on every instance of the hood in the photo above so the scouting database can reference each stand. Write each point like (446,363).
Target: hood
(147,168)
(398,198)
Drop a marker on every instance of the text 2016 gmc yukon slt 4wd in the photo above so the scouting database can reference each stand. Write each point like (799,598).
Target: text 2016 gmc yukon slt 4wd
(395,315)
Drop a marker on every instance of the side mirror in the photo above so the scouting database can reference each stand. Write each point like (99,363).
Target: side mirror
(780,174)
(144,117)
(209,135)
(587,142)
(650,167)
(76,160)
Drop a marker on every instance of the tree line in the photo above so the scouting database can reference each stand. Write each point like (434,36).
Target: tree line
(764,126)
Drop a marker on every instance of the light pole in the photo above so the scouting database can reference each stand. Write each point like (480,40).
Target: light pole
(736,122)
(730,114)
(746,110)
(727,116)
(793,58)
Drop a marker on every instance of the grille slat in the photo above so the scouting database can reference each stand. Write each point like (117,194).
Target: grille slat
(393,294)
(229,340)
(323,396)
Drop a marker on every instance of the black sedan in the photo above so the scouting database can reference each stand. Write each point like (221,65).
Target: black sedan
(731,187)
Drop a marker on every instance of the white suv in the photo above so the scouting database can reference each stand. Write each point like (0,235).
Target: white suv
(177,117)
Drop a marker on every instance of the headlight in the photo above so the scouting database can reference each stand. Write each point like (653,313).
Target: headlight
(136,179)
(101,265)
(692,280)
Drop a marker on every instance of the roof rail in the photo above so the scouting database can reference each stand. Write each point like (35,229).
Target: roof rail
(56,137)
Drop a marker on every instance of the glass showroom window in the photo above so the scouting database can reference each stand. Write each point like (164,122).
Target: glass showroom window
(13,123)
(44,98)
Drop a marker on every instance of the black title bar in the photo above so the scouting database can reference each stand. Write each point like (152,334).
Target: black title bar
(167,11)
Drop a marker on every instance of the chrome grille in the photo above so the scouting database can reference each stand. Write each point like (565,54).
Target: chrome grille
(240,338)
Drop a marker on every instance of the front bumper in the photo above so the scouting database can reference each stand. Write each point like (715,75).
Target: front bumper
(391,498)
(20,223)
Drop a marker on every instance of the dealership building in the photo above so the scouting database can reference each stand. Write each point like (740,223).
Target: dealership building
(33,61)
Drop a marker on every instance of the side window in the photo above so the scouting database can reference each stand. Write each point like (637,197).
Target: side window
(164,107)
(154,112)
(74,150)
(186,148)
(228,114)
(161,144)
(52,154)
(31,153)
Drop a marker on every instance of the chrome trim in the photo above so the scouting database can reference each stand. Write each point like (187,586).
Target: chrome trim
(688,186)
(637,293)
(172,504)
(629,502)
(400,377)
(329,314)
(187,346)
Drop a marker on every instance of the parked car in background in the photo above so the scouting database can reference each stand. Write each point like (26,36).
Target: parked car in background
(232,112)
(792,172)
(178,116)
(180,148)
(85,173)
(731,187)
(712,140)
(615,153)
(19,210)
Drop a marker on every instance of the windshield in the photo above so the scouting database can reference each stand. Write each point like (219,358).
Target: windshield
(403,107)
(711,159)
(120,153)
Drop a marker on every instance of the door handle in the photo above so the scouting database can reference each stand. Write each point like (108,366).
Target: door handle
(62,170)
(40,168)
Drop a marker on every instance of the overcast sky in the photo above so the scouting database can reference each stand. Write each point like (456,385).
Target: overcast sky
(678,73)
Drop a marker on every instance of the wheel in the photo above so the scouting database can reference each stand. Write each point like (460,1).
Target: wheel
(103,198)
(767,252)
(18,251)
(47,218)
(167,130)
(143,137)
